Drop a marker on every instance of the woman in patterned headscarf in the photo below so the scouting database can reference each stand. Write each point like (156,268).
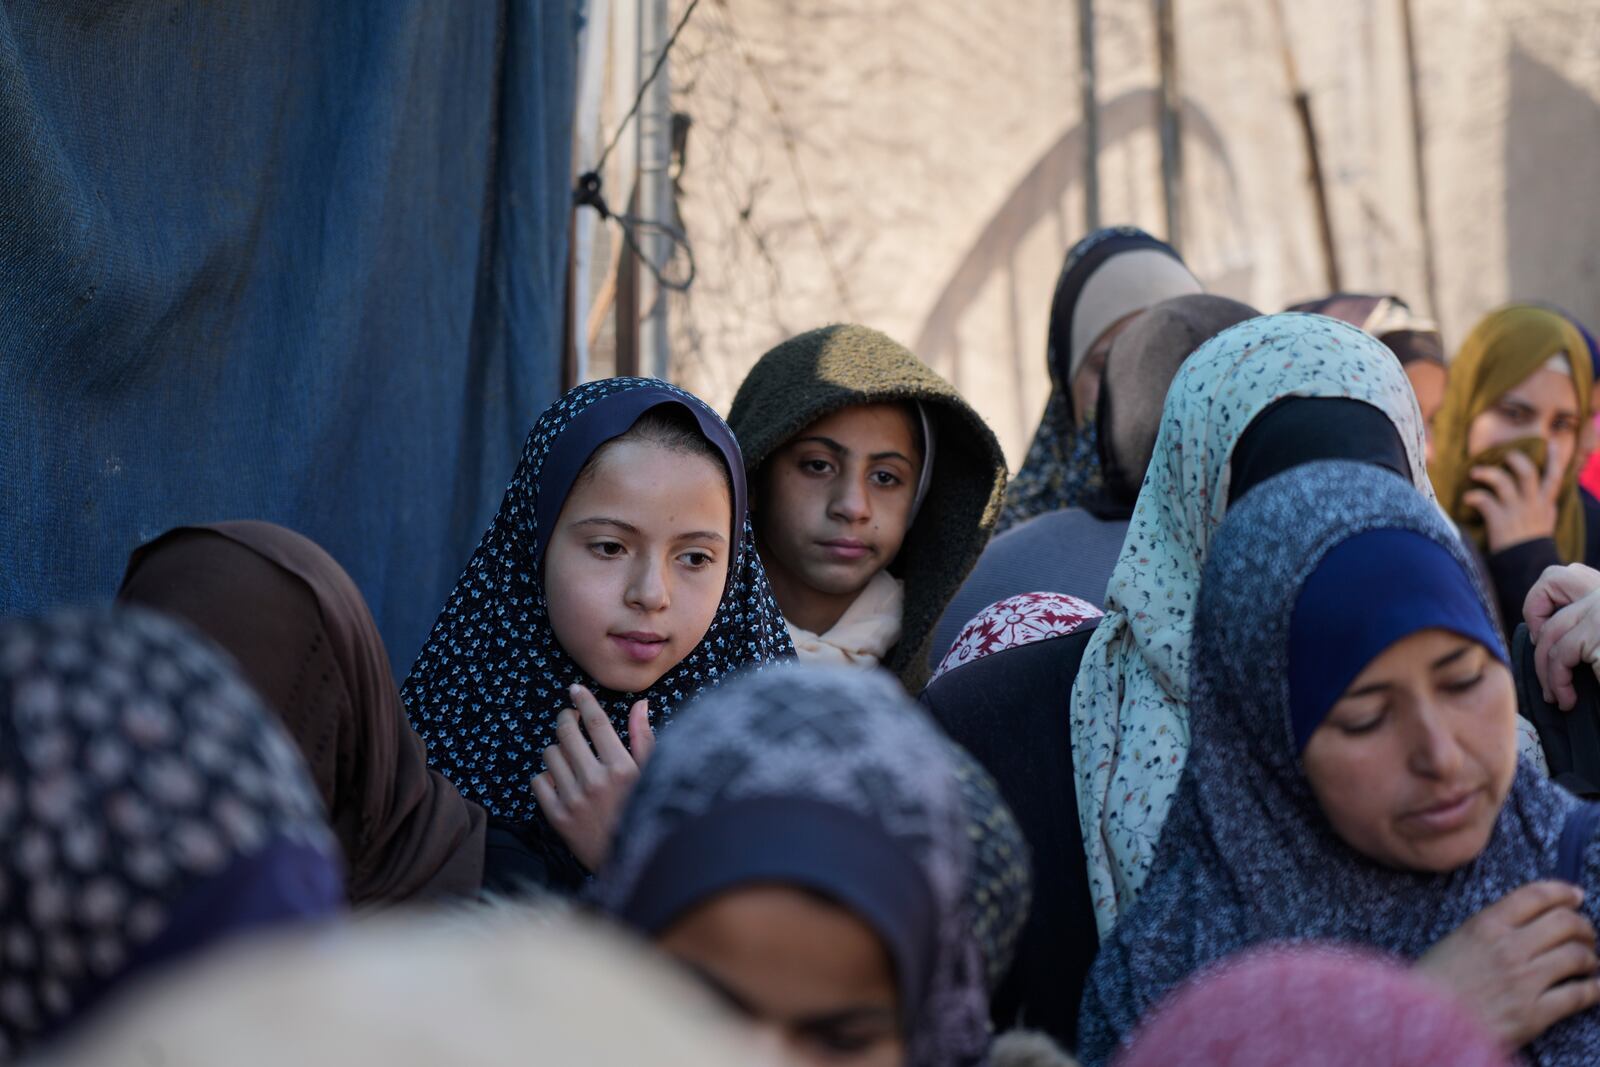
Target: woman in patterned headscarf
(1354,777)
(1107,278)
(1259,398)
(1414,340)
(494,684)
(802,841)
(1304,387)
(149,806)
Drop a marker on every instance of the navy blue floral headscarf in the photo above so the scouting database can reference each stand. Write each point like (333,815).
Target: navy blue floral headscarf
(487,686)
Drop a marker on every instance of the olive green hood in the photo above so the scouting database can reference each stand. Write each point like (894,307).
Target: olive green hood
(811,376)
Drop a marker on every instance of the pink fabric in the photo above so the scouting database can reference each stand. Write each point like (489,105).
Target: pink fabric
(1311,1007)
(1017,620)
(1589,477)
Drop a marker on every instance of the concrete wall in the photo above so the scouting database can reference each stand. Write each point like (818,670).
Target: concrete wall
(917,166)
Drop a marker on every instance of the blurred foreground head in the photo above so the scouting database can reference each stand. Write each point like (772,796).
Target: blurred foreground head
(150,808)
(1312,1006)
(505,988)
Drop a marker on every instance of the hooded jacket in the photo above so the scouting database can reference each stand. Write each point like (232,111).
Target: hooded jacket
(817,373)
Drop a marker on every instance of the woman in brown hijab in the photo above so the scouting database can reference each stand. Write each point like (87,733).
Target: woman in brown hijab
(303,637)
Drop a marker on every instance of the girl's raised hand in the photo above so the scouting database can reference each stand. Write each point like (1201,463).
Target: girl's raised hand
(583,789)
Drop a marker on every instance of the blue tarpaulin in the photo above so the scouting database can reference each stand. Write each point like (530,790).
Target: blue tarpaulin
(300,261)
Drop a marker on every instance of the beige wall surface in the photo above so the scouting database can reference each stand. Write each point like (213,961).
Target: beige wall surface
(918,166)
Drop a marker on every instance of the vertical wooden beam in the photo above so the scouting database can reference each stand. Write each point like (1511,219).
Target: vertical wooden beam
(1308,132)
(1091,116)
(1430,277)
(1171,121)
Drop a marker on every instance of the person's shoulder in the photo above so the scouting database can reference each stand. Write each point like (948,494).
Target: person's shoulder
(1042,670)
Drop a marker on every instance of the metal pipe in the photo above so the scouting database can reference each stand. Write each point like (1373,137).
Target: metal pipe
(1091,116)
(655,186)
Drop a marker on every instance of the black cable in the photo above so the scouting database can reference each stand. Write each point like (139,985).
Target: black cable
(644,86)
(587,192)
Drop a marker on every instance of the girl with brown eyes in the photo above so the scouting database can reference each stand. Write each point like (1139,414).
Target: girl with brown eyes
(1353,778)
(617,580)
(873,489)
(1505,451)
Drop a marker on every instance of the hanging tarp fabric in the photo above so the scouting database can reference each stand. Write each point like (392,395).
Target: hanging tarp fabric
(297,261)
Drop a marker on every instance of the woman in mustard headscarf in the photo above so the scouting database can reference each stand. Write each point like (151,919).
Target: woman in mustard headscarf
(1506,443)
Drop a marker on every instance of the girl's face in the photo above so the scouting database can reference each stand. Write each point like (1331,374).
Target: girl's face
(1413,763)
(811,975)
(638,561)
(836,506)
(1545,404)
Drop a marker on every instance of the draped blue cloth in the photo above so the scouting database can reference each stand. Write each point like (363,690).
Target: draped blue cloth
(295,261)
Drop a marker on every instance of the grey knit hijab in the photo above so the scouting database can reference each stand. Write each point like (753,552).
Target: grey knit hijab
(802,738)
(1246,855)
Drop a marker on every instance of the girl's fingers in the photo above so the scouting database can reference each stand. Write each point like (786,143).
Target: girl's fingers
(641,737)
(597,724)
(575,748)
(544,792)
(561,776)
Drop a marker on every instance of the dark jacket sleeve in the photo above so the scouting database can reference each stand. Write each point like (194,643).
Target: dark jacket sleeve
(1514,571)
(1011,710)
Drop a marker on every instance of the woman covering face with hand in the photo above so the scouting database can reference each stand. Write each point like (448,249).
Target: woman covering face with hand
(618,578)
(1506,461)
(801,841)
(1354,776)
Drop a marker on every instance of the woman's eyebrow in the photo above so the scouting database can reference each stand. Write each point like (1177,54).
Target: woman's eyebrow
(602,520)
(699,535)
(1450,657)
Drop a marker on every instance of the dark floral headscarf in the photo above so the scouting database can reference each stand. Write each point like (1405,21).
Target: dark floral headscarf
(491,679)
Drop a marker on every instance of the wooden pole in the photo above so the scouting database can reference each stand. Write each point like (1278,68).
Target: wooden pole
(1171,121)
(1091,116)
(1308,132)
(1430,277)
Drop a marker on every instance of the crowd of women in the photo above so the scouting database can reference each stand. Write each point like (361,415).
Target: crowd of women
(1254,717)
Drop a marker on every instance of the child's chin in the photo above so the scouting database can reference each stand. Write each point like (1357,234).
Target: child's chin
(627,678)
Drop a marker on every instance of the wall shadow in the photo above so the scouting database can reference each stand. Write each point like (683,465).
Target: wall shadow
(1552,181)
